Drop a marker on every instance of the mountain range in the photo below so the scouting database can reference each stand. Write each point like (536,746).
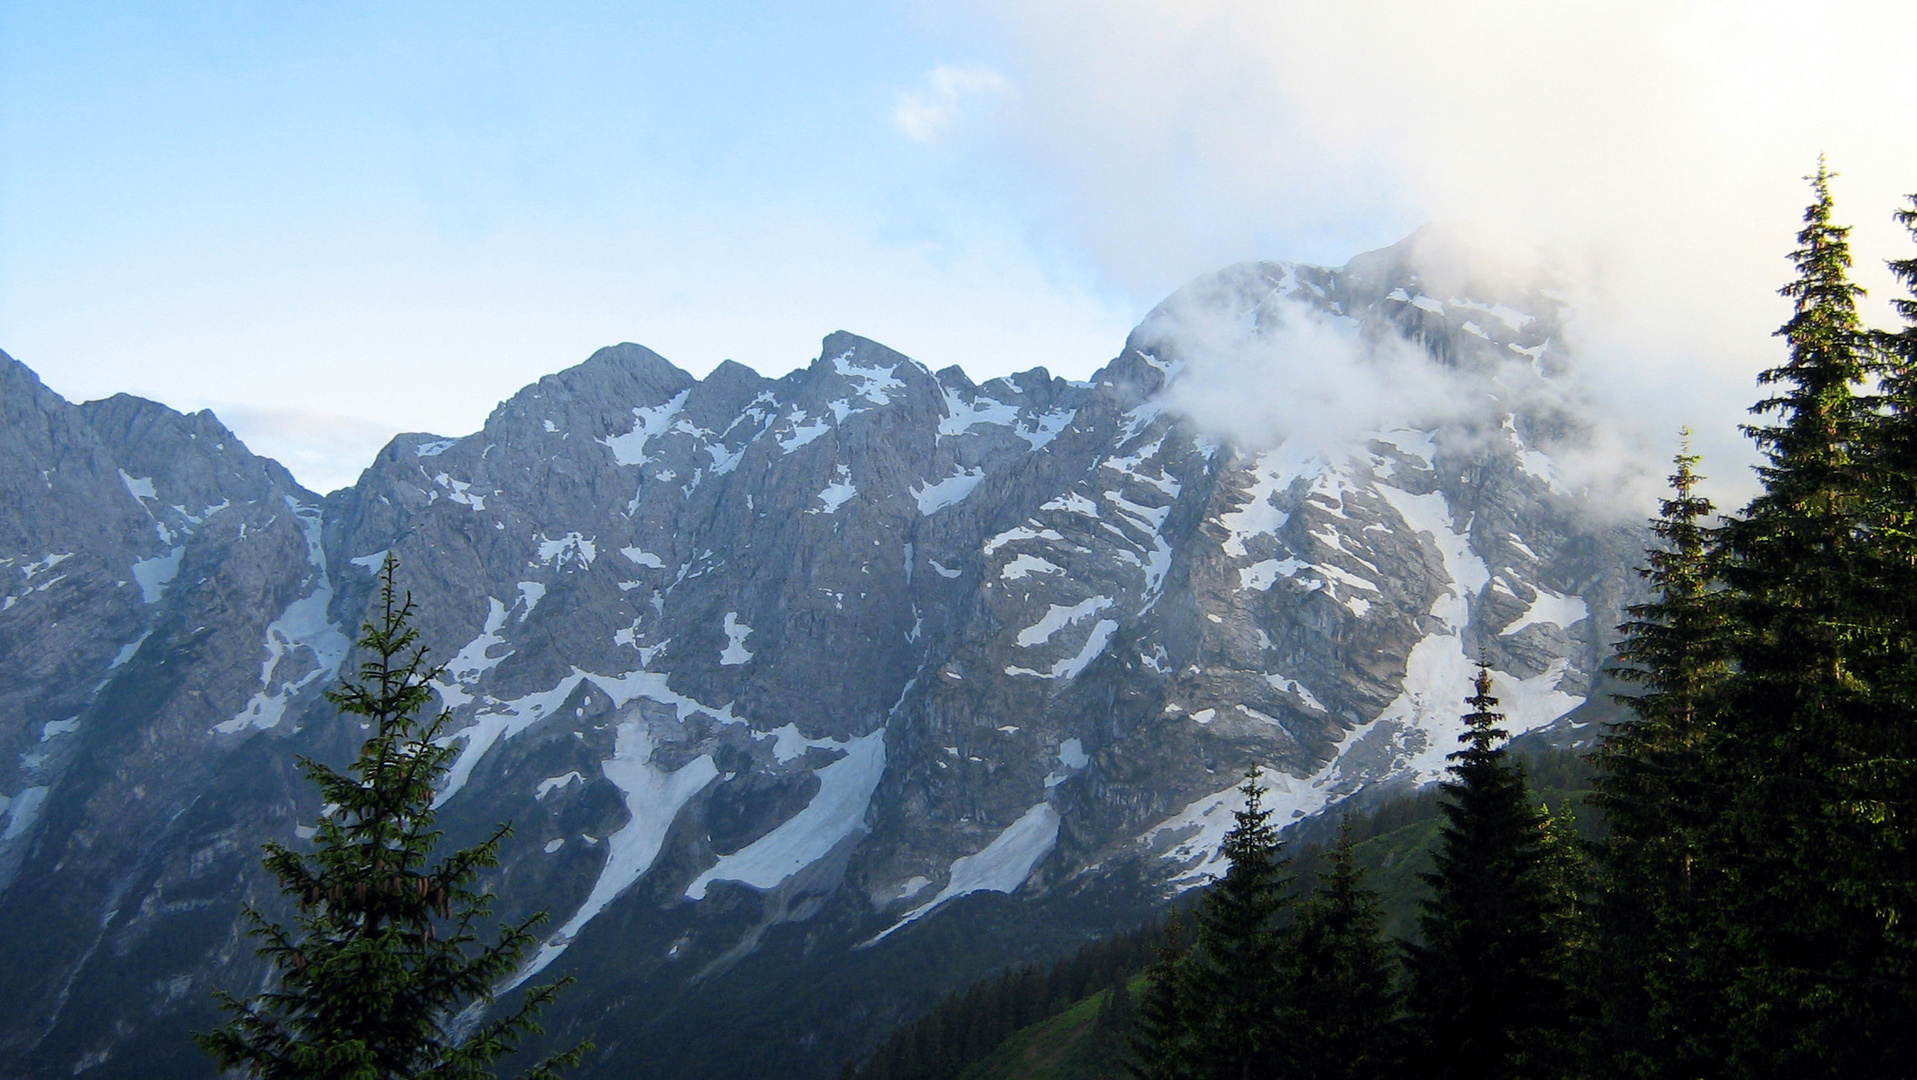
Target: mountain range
(808,698)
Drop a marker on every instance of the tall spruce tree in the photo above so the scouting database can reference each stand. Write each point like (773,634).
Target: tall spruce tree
(386,949)
(1487,999)
(1788,955)
(1340,1015)
(1210,1013)
(1234,979)
(1874,809)
(1660,795)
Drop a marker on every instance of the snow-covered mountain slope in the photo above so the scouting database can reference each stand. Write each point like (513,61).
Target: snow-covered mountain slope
(808,698)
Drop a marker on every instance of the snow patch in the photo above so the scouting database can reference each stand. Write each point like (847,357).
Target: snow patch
(960,417)
(373,562)
(1020,533)
(530,594)
(643,558)
(153,575)
(1072,502)
(1058,617)
(1001,867)
(874,384)
(22,810)
(836,493)
(1024,565)
(139,487)
(1071,666)
(126,651)
(836,812)
(1271,473)
(647,422)
(1429,514)
(952,489)
(1553,608)
(1263,575)
(802,433)
(653,800)
(1194,835)
(460,491)
(1071,758)
(1045,427)
(472,661)
(1297,690)
(735,651)
(570,548)
(303,637)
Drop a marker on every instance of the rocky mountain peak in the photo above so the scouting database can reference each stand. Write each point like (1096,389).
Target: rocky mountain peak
(808,695)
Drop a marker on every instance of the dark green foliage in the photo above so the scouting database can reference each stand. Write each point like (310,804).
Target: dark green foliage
(1166,1023)
(965,1028)
(1796,937)
(1235,958)
(1388,844)
(1744,903)
(1214,1012)
(1756,883)
(1486,995)
(386,950)
(1341,1006)
(1115,1015)
(1661,792)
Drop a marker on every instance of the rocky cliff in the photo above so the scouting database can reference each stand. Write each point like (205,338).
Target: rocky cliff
(808,698)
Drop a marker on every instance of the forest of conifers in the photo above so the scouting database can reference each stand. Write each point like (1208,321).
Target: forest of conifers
(1746,908)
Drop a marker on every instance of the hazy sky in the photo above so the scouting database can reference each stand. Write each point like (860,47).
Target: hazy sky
(331,222)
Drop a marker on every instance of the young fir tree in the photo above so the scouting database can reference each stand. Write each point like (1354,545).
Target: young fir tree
(1786,957)
(1487,999)
(1340,1020)
(1659,797)
(386,950)
(1234,983)
(1209,1013)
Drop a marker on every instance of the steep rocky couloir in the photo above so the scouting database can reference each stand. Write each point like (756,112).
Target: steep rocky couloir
(808,698)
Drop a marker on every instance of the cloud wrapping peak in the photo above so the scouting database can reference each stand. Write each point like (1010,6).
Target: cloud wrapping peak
(1657,148)
(1258,366)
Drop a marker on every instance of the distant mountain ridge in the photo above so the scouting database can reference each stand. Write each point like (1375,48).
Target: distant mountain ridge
(810,698)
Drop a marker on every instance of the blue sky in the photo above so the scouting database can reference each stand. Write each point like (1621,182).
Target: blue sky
(331,222)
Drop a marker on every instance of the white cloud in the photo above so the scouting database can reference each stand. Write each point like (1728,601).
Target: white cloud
(926,114)
(1657,148)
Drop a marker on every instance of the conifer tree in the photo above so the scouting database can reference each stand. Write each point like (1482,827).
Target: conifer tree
(1788,955)
(386,949)
(1340,1019)
(1487,999)
(1872,809)
(1659,795)
(1210,1013)
(1234,976)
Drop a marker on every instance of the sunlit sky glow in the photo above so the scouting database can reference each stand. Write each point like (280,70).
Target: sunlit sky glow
(331,222)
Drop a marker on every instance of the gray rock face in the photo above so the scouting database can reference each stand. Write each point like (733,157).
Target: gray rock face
(809,698)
